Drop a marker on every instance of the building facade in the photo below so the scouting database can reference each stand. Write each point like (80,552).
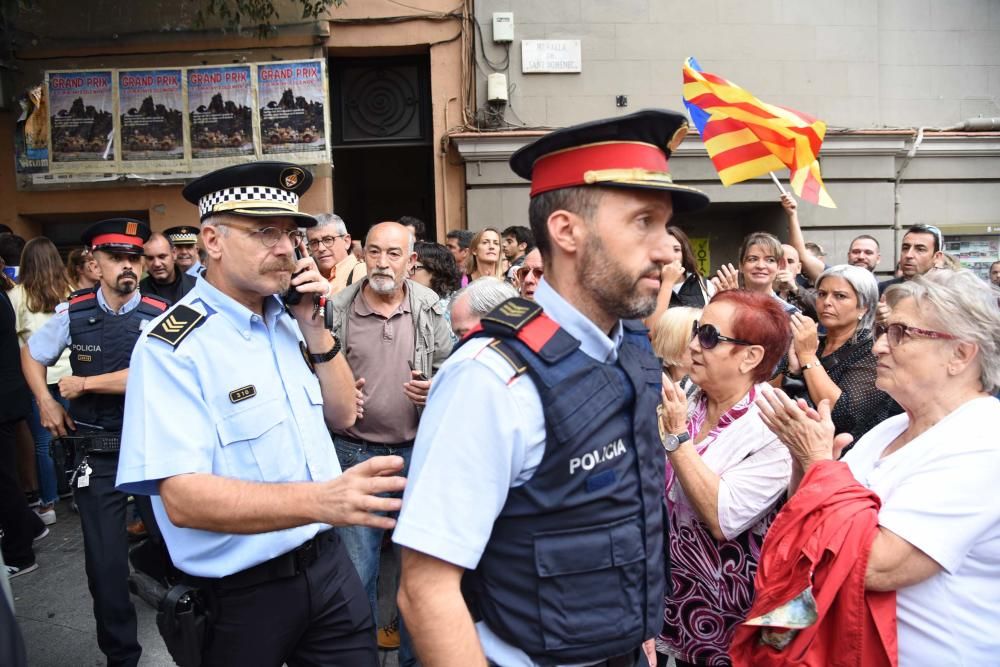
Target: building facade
(396,76)
(414,131)
(895,81)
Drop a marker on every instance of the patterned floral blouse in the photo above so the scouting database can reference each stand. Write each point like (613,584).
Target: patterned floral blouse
(712,581)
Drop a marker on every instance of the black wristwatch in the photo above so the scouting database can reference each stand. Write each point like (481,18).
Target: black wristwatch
(671,442)
(326,356)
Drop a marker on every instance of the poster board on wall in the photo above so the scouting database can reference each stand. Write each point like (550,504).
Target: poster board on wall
(171,123)
(220,113)
(82,121)
(292,106)
(151,127)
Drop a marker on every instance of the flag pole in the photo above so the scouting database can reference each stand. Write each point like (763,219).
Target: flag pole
(777,183)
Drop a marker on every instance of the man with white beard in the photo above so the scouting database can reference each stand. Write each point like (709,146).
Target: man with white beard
(395,336)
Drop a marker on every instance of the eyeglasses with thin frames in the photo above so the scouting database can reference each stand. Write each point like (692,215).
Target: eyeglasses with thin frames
(327,241)
(708,336)
(269,236)
(897,330)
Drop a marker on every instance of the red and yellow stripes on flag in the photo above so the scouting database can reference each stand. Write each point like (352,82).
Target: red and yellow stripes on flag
(746,137)
(808,184)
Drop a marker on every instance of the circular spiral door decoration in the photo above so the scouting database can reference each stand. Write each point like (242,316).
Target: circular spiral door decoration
(382,103)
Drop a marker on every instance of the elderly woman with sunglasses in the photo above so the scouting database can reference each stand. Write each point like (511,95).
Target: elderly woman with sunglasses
(934,468)
(839,366)
(725,474)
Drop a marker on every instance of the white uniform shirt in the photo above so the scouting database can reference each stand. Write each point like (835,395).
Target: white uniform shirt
(939,493)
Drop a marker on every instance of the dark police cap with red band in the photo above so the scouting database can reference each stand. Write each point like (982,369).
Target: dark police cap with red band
(120,235)
(625,152)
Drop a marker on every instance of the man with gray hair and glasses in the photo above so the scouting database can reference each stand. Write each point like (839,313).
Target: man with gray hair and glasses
(330,245)
(477,299)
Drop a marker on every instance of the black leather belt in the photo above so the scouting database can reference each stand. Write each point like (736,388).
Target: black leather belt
(284,566)
(96,443)
(365,444)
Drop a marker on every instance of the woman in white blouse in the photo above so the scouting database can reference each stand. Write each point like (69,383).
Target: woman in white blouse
(935,468)
(726,473)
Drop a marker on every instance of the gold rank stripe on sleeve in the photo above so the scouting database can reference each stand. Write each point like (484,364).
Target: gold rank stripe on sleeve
(178,323)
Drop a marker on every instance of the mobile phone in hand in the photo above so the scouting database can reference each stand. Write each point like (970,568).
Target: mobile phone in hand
(293,296)
(421,376)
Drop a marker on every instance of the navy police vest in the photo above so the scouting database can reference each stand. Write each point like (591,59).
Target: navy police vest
(574,569)
(102,343)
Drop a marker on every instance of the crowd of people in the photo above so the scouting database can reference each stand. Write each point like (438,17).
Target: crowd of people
(586,450)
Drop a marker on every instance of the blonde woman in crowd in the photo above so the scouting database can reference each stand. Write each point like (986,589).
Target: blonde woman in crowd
(671,336)
(484,258)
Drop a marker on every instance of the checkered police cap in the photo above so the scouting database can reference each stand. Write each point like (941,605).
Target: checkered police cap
(255,189)
(248,197)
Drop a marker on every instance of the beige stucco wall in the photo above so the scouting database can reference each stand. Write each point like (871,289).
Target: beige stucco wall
(67,35)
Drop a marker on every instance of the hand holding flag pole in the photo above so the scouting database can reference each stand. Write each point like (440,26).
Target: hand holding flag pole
(747,138)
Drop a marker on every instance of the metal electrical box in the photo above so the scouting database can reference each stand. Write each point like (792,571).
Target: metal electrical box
(503,27)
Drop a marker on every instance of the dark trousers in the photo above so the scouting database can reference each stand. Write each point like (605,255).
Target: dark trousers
(318,617)
(18,522)
(105,543)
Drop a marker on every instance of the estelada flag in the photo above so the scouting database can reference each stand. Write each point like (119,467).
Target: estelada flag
(746,137)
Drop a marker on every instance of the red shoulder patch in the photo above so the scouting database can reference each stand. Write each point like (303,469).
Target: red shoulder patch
(83,297)
(536,333)
(473,331)
(156,303)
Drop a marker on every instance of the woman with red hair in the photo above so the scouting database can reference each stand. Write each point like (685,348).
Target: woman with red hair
(726,473)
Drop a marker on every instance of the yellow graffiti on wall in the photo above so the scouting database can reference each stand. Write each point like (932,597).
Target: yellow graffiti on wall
(702,254)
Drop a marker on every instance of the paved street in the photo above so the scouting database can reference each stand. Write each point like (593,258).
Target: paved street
(53,606)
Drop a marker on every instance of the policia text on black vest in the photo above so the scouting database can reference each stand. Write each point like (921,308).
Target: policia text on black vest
(101,343)
(574,569)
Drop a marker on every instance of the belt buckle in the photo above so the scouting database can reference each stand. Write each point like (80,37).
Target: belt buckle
(305,554)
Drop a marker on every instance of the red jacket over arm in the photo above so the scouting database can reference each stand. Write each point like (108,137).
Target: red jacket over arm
(822,538)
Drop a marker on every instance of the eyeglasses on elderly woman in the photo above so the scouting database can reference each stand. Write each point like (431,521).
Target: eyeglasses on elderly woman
(708,336)
(897,330)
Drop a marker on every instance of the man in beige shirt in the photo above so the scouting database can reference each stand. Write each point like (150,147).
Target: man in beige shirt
(330,245)
(395,336)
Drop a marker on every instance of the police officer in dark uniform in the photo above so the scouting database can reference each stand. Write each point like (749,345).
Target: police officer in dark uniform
(550,518)
(100,326)
(165,279)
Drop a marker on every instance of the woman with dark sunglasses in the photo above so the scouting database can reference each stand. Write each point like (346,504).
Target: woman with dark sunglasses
(726,474)
(932,523)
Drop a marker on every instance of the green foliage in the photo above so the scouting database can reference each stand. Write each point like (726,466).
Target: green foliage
(237,15)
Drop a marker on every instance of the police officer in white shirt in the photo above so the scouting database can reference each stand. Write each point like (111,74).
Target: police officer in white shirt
(551,512)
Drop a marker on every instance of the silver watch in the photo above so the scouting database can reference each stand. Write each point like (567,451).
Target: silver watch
(671,442)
